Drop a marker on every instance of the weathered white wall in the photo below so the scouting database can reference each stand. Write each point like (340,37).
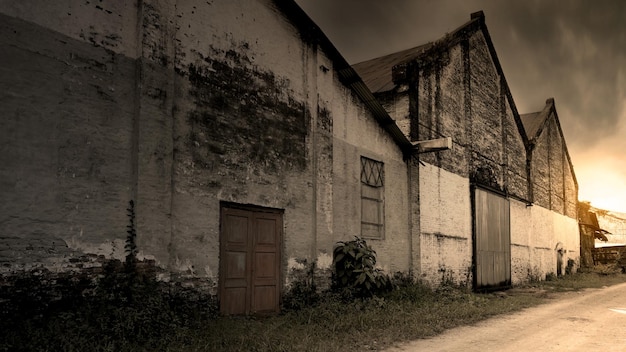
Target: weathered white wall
(446,233)
(445,226)
(229,102)
(535,233)
(393,251)
(245,125)
(322,198)
(66,130)
(110,24)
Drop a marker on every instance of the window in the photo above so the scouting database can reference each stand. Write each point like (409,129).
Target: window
(372,205)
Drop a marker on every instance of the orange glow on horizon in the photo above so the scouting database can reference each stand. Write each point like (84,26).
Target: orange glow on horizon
(605,190)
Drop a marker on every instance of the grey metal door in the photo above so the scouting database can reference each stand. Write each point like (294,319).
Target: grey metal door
(492,240)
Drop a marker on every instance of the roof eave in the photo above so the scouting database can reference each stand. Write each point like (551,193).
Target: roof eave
(346,74)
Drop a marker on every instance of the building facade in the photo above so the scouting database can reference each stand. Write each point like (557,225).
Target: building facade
(475,202)
(250,147)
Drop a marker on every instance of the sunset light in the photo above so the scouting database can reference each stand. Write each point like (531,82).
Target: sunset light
(605,190)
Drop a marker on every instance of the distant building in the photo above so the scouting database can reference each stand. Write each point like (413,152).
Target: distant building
(614,223)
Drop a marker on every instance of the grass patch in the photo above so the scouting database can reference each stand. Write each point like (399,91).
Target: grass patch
(599,277)
(156,320)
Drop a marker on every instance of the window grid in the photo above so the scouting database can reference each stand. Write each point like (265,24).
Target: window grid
(372,182)
(372,172)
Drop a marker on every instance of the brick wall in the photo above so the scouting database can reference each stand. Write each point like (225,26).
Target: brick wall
(461,96)
(552,177)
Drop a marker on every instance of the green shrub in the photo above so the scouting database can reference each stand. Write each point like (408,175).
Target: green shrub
(303,292)
(355,272)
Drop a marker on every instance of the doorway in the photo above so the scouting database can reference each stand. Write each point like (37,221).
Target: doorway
(250,257)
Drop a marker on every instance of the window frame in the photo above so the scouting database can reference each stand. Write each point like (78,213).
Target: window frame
(372,181)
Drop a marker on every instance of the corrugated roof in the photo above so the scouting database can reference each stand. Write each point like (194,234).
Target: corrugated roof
(376,73)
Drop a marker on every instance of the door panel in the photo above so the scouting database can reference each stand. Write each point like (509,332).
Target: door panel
(266,233)
(234,264)
(266,276)
(492,240)
(263,300)
(264,265)
(249,280)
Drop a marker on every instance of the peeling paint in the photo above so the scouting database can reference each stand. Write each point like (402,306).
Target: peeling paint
(324,261)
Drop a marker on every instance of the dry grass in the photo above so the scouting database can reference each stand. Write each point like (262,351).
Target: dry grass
(333,324)
(411,312)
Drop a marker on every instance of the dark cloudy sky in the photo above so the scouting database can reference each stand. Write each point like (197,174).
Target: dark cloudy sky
(574,51)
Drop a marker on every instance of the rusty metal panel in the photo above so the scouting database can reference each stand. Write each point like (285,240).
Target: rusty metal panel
(492,240)
(249,279)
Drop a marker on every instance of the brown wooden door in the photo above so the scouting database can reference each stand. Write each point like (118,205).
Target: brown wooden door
(492,240)
(250,260)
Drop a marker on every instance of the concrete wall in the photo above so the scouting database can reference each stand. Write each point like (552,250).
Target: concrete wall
(111,25)
(243,127)
(286,136)
(67,106)
(535,234)
(180,106)
(445,226)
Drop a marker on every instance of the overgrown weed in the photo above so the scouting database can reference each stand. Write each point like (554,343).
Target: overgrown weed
(159,319)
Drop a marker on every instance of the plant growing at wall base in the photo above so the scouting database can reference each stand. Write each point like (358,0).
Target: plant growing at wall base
(131,237)
(303,292)
(354,269)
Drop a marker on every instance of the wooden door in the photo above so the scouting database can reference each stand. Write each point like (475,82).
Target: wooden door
(492,240)
(249,279)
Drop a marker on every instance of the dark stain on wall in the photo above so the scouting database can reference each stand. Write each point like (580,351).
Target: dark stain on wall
(242,116)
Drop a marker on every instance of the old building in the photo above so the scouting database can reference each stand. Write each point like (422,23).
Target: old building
(614,226)
(473,204)
(553,187)
(602,237)
(250,147)
(245,139)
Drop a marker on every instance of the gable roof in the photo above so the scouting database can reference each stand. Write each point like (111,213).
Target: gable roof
(378,73)
(311,33)
(534,124)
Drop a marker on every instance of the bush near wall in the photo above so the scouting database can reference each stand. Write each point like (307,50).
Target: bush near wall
(107,305)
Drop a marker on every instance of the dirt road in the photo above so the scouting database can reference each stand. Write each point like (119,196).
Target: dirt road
(590,320)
